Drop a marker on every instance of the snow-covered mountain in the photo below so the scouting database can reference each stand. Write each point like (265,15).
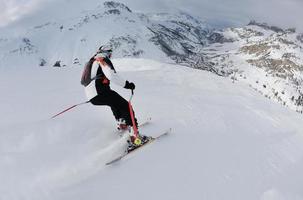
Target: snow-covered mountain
(73,40)
(266,57)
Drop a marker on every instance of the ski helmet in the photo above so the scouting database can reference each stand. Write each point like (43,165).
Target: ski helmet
(105,49)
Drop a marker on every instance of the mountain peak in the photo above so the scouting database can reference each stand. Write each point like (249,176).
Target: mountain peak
(266,26)
(112,5)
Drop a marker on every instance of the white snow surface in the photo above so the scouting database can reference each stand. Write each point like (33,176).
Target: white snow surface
(228,142)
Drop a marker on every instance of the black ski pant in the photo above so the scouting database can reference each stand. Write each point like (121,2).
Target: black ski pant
(117,103)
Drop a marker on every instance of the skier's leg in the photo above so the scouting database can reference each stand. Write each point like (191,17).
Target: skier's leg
(120,107)
(117,103)
(106,100)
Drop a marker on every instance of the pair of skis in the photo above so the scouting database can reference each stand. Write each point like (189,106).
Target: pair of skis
(151,140)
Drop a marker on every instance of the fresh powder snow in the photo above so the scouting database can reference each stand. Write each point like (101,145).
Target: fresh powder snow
(227,141)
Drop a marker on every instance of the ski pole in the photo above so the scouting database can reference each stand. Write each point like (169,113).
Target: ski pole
(67,109)
(131,111)
(131,96)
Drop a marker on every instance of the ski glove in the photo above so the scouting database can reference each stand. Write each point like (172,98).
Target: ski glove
(129,85)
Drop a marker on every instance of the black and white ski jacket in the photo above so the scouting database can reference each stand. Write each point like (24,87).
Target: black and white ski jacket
(105,73)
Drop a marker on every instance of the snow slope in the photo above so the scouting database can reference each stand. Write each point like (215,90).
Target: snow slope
(228,142)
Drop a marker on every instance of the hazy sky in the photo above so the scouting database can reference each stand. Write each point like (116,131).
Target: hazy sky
(285,13)
(11,10)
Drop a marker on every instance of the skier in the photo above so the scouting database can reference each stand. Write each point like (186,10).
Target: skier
(99,92)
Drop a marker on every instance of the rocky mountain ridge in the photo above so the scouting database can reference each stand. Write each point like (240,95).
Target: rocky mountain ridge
(268,58)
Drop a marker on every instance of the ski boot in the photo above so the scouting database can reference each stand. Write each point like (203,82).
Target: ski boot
(134,142)
(121,125)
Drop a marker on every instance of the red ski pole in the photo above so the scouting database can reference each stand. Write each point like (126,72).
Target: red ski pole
(69,109)
(131,111)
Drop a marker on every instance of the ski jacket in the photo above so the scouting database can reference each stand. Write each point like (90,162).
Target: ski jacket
(105,73)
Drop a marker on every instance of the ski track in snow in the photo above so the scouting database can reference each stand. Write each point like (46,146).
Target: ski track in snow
(228,142)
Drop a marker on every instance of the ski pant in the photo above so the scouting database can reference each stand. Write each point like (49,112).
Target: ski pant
(118,105)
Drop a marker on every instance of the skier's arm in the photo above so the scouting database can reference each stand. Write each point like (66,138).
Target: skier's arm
(94,70)
(113,76)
